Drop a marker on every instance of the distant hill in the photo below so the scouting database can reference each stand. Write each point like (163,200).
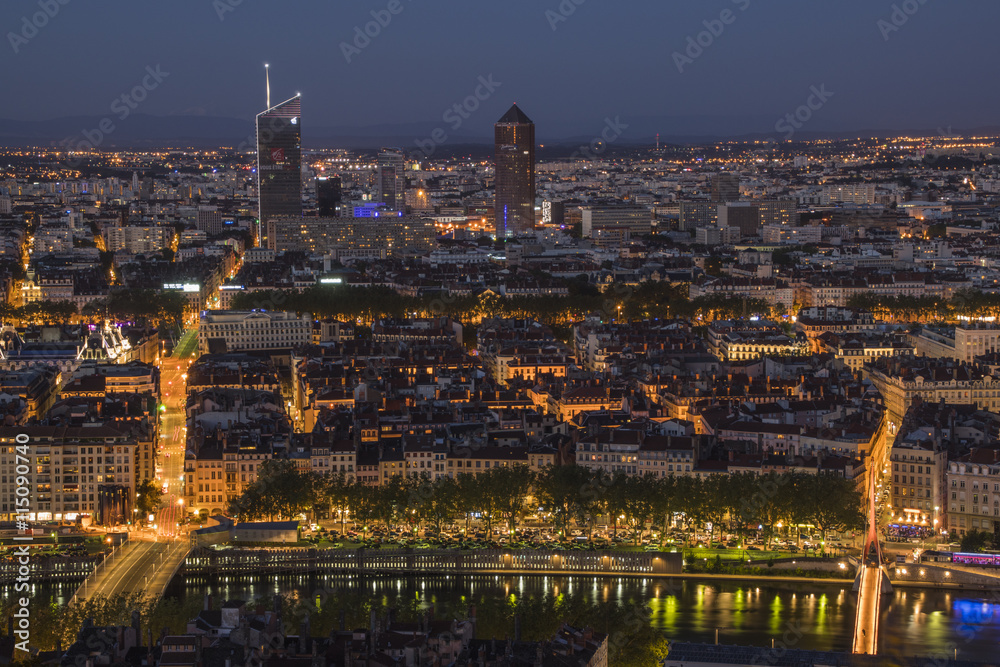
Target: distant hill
(146,131)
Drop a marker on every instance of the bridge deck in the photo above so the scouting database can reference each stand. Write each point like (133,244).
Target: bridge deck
(140,567)
(866,622)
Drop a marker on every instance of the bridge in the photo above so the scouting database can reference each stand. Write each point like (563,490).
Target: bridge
(872,580)
(137,566)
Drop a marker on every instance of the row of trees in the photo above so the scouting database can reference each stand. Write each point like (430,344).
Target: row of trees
(965,303)
(648,300)
(122,305)
(565,496)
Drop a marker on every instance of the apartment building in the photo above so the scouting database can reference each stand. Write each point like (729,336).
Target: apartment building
(973,487)
(918,480)
(70,468)
(383,236)
(964,342)
(233,331)
(137,240)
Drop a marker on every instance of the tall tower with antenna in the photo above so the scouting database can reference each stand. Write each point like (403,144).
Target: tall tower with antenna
(279,161)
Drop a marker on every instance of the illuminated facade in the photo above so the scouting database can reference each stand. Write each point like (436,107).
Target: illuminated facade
(255,330)
(69,467)
(515,173)
(373,238)
(279,163)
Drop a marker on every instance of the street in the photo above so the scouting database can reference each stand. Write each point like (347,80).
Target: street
(173,434)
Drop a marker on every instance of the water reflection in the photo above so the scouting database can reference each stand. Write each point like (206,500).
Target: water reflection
(816,615)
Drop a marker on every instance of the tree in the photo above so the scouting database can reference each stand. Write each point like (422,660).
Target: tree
(509,487)
(390,501)
(638,506)
(441,500)
(799,500)
(742,501)
(975,541)
(835,503)
(280,490)
(691,500)
(148,498)
(717,501)
(773,501)
(467,498)
(362,503)
(663,499)
(560,490)
(334,491)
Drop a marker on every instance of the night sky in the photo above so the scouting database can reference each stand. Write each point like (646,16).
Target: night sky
(935,67)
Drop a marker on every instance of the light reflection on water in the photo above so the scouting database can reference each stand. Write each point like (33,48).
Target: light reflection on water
(813,615)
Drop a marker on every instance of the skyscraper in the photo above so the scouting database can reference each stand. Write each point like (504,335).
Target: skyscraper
(725,187)
(392,179)
(279,163)
(515,173)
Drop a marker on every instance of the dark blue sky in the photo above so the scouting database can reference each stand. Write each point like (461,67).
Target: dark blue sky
(608,58)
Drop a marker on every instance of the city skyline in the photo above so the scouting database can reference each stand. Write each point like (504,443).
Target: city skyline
(703,367)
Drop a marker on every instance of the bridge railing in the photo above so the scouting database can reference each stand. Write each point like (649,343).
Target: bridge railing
(438,561)
(100,566)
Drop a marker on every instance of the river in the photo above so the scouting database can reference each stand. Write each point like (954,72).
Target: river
(814,615)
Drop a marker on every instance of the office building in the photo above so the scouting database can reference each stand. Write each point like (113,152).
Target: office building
(553,213)
(637,220)
(745,216)
(769,212)
(392,179)
(515,173)
(725,187)
(209,220)
(328,196)
(777,212)
(279,163)
(695,214)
